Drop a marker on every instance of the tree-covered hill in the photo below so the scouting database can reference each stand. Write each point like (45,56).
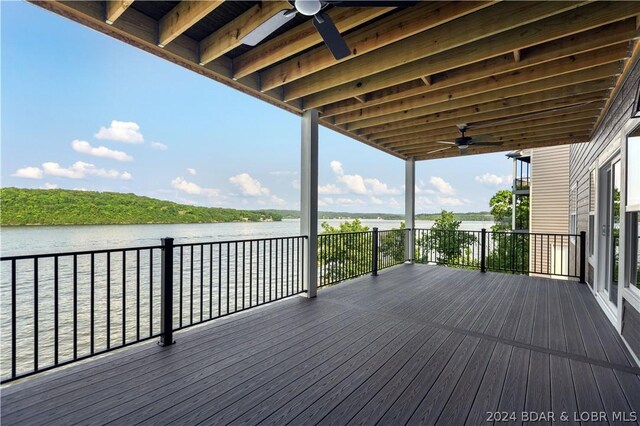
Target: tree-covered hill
(295,214)
(66,207)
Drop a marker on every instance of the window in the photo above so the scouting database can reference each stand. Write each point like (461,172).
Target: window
(592,212)
(573,211)
(632,226)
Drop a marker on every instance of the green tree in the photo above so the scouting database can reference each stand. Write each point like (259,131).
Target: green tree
(392,245)
(508,251)
(344,251)
(444,241)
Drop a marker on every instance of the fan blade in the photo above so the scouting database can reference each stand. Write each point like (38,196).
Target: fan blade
(373,3)
(485,143)
(438,150)
(331,36)
(446,142)
(265,29)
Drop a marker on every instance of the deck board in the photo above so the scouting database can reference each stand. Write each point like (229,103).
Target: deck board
(415,345)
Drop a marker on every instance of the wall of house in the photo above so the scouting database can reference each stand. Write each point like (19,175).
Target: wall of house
(583,157)
(549,202)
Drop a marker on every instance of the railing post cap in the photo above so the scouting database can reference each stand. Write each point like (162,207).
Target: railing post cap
(166,240)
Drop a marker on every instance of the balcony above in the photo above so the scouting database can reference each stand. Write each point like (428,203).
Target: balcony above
(416,344)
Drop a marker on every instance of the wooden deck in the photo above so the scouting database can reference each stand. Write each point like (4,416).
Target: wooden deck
(415,345)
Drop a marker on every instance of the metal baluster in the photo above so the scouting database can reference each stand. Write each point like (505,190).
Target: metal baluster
(56,330)
(93,302)
(108,300)
(138,294)
(124,297)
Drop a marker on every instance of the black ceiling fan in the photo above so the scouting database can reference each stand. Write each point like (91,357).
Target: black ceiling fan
(321,21)
(464,141)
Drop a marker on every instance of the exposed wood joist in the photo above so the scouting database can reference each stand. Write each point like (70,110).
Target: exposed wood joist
(511,147)
(586,17)
(472,115)
(182,17)
(497,84)
(361,99)
(301,38)
(401,25)
(436,133)
(229,36)
(115,8)
(426,80)
(510,137)
(489,21)
(566,47)
(513,128)
(533,98)
(569,81)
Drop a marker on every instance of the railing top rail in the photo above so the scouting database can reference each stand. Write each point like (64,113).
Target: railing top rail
(76,253)
(345,233)
(206,243)
(533,233)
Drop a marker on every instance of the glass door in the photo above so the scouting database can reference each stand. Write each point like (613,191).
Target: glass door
(610,230)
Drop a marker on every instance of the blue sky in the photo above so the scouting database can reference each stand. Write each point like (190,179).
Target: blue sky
(83,111)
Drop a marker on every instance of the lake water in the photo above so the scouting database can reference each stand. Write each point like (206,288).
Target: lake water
(53,239)
(111,300)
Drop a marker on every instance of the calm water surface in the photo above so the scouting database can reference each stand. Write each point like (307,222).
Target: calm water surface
(54,239)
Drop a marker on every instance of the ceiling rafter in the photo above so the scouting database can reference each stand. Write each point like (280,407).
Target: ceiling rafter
(584,18)
(498,18)
(182,17)
(115,8)
(230,35)
(498,85)
(301,38)
(566,47)
(401,25)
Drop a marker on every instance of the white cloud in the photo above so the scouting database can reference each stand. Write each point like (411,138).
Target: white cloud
(80,170)
(159,146)
(100,151)
(376,200)
(393,202)
(192,171)
(295,184)
(122,131)
(359,185)
(191,188)
(380,188)
(28,173)
(442,185)
(248,185)
(348,202)
(277,200)
(450,201)
(48,185)
(491,179)
(423,202)
(329,189)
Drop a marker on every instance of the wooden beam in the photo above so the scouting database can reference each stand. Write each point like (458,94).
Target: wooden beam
(582,19)
(511,147)
(398,26)
(489,21)
(182,17)
(426,79)
(566,47)
(499,85)
(360,99)
(472,115)
(301,38)
(229,36)
(586,118)
(571,82)
(507,137)
(115,8)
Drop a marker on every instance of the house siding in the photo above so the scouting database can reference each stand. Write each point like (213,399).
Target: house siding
(549,201)
(583,158)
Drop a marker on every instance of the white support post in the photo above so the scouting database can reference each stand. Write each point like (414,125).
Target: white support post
(309,198)
(410,207)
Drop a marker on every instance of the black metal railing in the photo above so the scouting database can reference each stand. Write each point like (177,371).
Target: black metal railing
(342,256)
(561,255)
(63,307)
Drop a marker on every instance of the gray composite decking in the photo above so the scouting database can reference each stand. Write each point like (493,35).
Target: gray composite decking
(415,345)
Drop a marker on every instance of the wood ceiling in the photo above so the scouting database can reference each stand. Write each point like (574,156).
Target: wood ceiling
(528,73)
